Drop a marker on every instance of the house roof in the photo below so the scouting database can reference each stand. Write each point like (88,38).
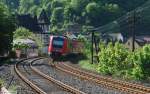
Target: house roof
(43,19)
(26,41)
(29,22)
(142,40)
(114,36)
(33,23)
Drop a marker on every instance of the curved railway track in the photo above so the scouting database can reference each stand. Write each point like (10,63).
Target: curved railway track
(110,83)
(23,75)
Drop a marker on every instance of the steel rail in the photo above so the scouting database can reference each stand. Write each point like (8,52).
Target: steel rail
(59,83)
(137,86)
(107,82)
(33,86)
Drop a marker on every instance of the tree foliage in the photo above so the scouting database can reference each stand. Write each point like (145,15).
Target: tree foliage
(124,63)
(23,33)
(7,25)
(84,12)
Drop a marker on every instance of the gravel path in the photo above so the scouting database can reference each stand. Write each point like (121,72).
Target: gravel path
(83,85)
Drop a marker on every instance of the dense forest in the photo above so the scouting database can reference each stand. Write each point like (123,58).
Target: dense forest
(87,13)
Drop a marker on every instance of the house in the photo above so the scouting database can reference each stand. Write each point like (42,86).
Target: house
(28,22)
(40,26)
(116,37)
(112,37)
(43,22)
(139,42)
(31,51)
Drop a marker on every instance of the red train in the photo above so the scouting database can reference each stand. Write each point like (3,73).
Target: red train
(60,45)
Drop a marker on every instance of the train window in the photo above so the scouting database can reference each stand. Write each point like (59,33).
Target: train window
(58,42)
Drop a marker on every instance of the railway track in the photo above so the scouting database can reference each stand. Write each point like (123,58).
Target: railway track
(104,81)
(24,71)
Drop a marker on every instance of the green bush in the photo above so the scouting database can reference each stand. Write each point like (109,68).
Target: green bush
(141,60)
(112,59)
(119,61)
(23,33)
(145,60)
(87,49)
(140,63)
(20,45)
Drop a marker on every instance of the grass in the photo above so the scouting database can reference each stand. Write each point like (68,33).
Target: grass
(13,89)
(87,65)
(1,83)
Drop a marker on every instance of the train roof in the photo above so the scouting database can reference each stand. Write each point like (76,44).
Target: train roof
(58,36)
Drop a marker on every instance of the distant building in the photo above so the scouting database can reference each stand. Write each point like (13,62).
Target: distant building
(29,22)
(116,37)
(44,22)
(112,37)
(139,42)
(38,25)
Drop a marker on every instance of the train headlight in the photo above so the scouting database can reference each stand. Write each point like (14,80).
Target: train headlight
(49,53)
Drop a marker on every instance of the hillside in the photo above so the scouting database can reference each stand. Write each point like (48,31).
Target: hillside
(137,19)
(62,13)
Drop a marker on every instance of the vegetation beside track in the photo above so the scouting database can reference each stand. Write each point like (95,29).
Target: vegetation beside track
(87,65)
(12,88)
(1,82)
(121,63)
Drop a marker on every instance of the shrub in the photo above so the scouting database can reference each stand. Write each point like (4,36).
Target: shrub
(112,59)
(117,60)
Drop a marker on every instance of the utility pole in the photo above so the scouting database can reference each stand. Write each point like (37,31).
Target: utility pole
(92,51)
(96,48)
(133,31)
(131,22)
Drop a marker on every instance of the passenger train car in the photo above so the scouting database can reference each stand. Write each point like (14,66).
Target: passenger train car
(60,45)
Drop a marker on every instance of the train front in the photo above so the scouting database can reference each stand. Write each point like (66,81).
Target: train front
(57,46)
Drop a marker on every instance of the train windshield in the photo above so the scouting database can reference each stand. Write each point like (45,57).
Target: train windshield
(58,42)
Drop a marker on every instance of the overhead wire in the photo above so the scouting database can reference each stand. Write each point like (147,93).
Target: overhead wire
(122,20)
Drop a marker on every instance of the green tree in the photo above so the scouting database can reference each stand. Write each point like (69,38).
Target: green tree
(23,33)
(93,12)
(115,64)
(7,25)
(57,18)
(84,12)
(25,6)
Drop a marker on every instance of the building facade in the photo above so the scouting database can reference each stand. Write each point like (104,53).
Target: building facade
(40,26)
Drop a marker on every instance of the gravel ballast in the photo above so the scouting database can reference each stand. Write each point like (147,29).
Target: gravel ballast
(83,85)
(12,82)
